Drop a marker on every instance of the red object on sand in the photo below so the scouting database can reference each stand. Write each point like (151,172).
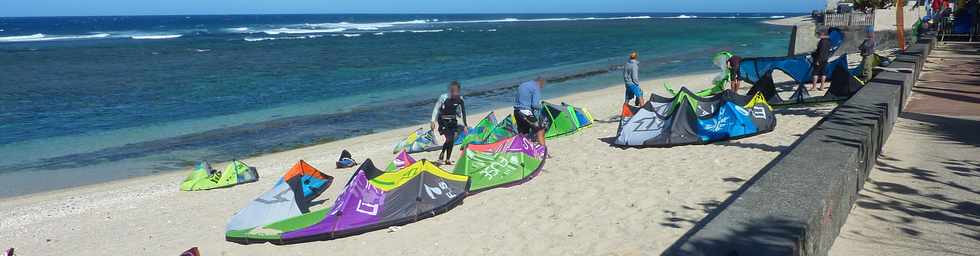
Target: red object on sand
(191,252)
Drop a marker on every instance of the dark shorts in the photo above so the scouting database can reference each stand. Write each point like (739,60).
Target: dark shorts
(528,124)
(820,69)
(448,125)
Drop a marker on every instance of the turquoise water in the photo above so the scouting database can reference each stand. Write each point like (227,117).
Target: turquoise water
(137,95)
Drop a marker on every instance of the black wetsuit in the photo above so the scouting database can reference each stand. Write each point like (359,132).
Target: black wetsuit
(449,113)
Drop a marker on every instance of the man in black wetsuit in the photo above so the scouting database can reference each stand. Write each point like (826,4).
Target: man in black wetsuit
(449,109)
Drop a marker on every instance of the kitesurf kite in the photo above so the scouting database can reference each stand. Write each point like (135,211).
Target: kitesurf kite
(566,119)
(759,72)
(505,162)
(204,177)
(372,200)
(423,141)
(290,197)
(690,119)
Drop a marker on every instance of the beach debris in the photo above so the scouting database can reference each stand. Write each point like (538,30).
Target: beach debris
(193,251)
(394,229)
(346,160)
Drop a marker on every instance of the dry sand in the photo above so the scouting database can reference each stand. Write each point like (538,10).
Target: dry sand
(590,199)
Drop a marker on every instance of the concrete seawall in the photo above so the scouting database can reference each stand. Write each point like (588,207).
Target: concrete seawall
(804,37)
(797,204)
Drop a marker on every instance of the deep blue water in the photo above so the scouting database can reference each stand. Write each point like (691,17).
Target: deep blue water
(159,92)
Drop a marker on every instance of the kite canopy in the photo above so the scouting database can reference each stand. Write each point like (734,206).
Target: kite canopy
(481,132)
(504,129)
(371,200)
(401,161)
(423,141)
(758,72)
(415,192)
(689,119)
(290,197)
(489,131)
(204,177)
(506,162)
(566,119)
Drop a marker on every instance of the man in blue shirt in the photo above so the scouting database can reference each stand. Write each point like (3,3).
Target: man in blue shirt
(631,75)
(527,109)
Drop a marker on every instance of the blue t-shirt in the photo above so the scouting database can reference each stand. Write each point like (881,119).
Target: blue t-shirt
(528,96)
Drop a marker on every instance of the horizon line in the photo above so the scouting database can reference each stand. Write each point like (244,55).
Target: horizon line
(383,13)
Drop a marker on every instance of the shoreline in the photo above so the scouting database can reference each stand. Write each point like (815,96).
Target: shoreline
(27,175)
(662,198)
(71,171)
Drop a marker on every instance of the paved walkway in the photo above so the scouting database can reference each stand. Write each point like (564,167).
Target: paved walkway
(923,198)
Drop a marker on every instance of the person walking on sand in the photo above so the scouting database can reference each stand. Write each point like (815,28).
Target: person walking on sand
(820,58)
(631,75)
(867,56)
(449,109)
(527,110)
(733,66)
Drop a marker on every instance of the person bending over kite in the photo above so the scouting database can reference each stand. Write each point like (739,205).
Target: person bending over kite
(449,109)
(527,110)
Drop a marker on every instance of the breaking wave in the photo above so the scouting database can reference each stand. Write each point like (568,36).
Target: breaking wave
(42,37)
(155,37)
(301,31)
(259,39)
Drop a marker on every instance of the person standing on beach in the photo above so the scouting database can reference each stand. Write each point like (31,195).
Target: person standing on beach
(527,110)
(449,109)
(820,58)
(867,56)
(733,66)
(631,75)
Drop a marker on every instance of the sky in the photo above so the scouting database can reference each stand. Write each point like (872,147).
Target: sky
(21,8)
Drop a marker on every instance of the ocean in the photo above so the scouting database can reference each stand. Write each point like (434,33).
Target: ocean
(117,97)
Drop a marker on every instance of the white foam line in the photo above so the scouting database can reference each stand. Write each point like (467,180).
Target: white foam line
(42,37)
(155,37)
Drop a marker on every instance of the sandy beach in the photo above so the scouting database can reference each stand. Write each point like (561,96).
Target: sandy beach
(590,199)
